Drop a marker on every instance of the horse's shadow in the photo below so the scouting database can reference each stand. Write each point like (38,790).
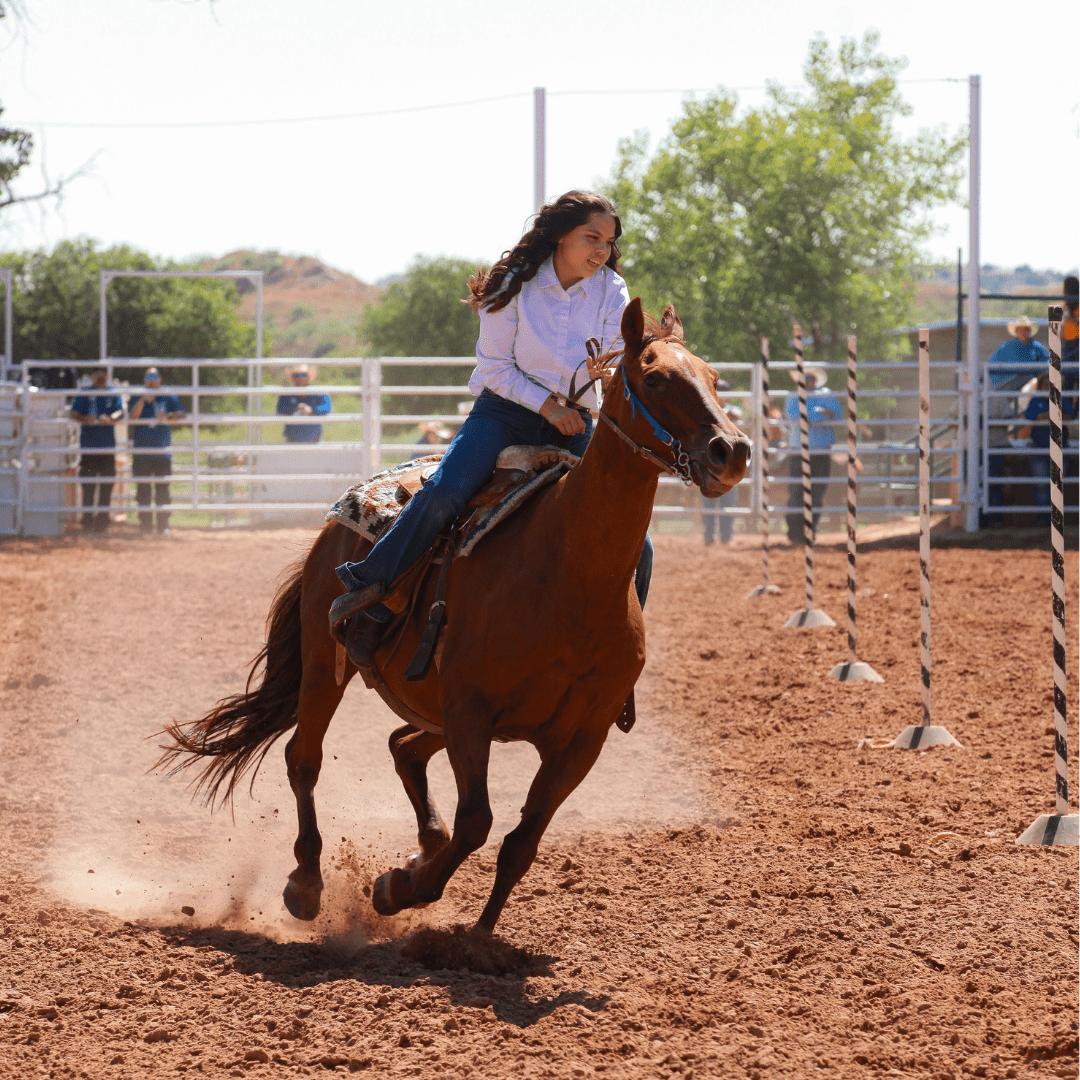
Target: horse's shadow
(478,970)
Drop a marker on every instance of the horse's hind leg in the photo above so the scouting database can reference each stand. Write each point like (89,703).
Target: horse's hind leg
(556,778)
(319,698)
(412,749)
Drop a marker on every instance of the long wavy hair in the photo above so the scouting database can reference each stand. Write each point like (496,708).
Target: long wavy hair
(495,289)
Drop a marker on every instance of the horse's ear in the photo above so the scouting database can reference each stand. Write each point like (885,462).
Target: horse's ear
(671,324)
(633,326)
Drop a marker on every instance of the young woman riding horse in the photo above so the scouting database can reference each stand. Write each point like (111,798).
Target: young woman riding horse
(543,643)
(541,303)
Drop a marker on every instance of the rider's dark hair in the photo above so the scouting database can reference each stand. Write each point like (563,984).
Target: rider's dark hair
(495,289)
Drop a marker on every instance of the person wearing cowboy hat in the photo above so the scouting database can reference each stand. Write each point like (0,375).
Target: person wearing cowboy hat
(823,410)
(1012,364)
(432,433)
(301,376)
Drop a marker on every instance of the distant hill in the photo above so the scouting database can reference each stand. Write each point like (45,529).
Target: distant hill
(310,308)
(936,299)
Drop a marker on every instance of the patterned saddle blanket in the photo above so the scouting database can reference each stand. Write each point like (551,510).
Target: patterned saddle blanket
(371,507)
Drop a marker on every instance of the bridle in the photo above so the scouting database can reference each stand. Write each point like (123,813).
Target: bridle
(680,466)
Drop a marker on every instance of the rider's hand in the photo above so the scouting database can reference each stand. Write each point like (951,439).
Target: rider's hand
(567,421)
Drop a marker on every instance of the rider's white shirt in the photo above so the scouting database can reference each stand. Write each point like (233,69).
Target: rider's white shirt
(532,347)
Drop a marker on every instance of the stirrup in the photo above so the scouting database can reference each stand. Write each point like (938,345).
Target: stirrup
(349,604)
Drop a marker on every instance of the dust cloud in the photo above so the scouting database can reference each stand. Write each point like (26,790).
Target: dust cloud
(135,845)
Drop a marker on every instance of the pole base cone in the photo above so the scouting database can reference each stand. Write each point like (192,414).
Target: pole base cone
(1052,829)
(919,738)
(809,617)
(764,590)
(856,672)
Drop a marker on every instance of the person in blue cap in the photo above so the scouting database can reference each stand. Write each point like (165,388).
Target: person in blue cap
(97,414)
(298,404)
(152,416)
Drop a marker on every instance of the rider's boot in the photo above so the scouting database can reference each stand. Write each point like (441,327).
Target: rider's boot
(364,630)
(363,637)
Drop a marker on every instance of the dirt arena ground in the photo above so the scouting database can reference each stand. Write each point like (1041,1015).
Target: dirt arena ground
(744,887)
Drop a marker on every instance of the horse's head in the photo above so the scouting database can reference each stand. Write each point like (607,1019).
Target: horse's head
(679,390)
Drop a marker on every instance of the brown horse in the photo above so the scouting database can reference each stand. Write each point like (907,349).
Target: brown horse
(544,640)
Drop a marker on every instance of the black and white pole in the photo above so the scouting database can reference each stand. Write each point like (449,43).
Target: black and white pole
(925,734)
(1061,826)
(764,589)
(808,616)
(854,670)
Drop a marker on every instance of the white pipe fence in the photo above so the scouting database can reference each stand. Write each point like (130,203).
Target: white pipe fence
(231,463)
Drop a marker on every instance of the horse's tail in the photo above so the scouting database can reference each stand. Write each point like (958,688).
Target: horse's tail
(238,732)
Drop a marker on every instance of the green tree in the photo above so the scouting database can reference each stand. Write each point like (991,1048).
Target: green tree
(810,209)
(56,307)
(423,315)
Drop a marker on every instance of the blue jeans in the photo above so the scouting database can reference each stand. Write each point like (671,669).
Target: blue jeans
(710,521)
(492,426)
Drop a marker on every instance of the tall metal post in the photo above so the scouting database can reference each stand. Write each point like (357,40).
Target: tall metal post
(103,327)
(5,276)
(540,144)
(975,467)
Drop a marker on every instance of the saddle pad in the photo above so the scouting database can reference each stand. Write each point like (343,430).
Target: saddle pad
(371,507)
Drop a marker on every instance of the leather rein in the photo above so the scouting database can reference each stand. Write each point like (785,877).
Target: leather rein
(680,467)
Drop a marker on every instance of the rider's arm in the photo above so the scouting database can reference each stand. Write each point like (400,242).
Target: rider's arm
(496,368)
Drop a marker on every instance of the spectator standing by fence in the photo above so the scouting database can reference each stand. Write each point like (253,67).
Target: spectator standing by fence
(1012,364)
(822,410)
(152,415)
(298,404)
(97,415)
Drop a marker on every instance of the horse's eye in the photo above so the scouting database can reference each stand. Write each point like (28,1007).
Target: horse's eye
(652,381)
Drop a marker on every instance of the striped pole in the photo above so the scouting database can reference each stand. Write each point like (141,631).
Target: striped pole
(1060,827)
(764,589)
(853,670)
(925,734)
(924,520)
(808,616)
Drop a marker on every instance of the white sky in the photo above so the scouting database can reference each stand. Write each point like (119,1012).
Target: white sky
(368,194)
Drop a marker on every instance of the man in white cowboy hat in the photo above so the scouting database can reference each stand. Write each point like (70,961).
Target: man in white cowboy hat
(822,410)
(1013,363)
(300,404)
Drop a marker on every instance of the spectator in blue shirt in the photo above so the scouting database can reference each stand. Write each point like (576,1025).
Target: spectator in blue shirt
(97,414)
(823,410)
(152,415)
(303,405)
(1039,433)
(713,521)
(1012,364)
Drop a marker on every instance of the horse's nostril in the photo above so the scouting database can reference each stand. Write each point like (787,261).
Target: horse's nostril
(719,451)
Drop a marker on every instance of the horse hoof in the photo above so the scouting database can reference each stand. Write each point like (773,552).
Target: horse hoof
(382,896)
(302,903)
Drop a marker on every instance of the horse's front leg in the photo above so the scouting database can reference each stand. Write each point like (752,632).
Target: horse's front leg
(468,746)
(319,698)
(559,774)
(412,749)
